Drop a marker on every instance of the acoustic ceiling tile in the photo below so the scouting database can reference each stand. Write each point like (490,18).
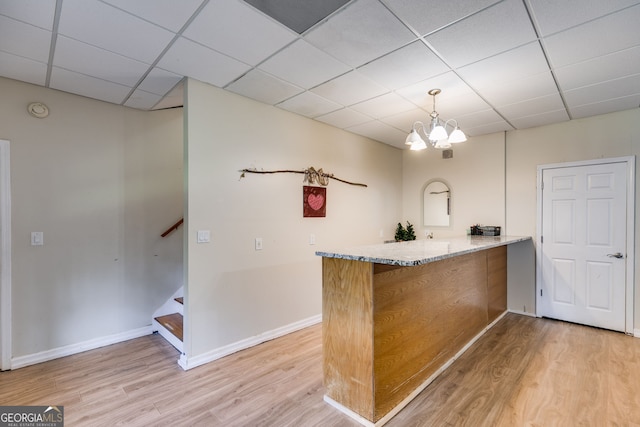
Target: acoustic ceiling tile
(497,29)
(188,58)
(344,118)
(405,120)
(553,16)
(612,89)
(364,30)
(304,65)
(104,26)
(159,81)
(24,40)
(532,106)
(349,89)
(173,99)
(505,67)
(542,119)
(263,87)
(608,106)
(90,87)
(382,132)
(170,14)
(514,91)
(23,69)
(92,61)
(486,128)
(449,83)
(142,100)
(602,36)
(405,66)
(478,118)
(35,12)
(384,105)
(602,68)
(308,104)
(426,17)
(216,26)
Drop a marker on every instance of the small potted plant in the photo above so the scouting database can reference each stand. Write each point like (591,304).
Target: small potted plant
(404,234)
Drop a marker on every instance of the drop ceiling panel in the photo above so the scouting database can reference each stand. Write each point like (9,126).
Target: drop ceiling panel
(90,87)
(553,16)
(188,58)
(349,89)
(104,26)
(479,118)
(304,65)
(143,100)
(364,30)
(428,16)
(506,67)
(497,29)
(450,84)
(309,105)
(531,107)
(380,132)
(544,118)
(514,91)
(404,121)
(263,87)
(602,68)
(24,40)
(405,66)
(23,69)
(607,106)
(344,118)
(217,27)
(609,34)
(159,81)
(35,12)
(175,98)
(485,128)
(613,89)
(170,14)
(385,105)
(92,61)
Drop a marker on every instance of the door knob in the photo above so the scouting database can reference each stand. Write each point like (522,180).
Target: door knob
(616,255)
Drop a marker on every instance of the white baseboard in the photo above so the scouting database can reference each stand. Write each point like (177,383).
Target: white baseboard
(44,356)
(191,362)
(636,333)
(522,313)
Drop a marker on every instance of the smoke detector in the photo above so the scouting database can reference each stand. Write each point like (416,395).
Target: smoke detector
(38,109)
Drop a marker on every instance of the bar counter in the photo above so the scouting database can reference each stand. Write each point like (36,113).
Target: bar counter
(395,315)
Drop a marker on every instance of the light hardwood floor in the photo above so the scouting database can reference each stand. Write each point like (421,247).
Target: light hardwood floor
(523,372)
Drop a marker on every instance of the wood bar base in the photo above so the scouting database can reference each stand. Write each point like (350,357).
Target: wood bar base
(389,330)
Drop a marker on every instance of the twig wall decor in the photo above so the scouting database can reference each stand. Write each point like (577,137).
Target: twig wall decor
(311,176)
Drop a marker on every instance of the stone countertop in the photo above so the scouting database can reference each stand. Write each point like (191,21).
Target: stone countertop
(417,252)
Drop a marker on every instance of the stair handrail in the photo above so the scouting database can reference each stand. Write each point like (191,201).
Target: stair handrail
(173,227)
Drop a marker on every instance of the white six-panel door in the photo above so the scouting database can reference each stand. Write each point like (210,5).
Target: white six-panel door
(583,241)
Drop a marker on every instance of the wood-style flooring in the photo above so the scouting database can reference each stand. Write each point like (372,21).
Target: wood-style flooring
(523,372)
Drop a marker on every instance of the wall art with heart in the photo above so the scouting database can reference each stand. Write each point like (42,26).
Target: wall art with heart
(314,201)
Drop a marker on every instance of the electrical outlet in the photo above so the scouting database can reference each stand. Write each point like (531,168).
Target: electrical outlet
(37,238)
(204,236)
(258,243)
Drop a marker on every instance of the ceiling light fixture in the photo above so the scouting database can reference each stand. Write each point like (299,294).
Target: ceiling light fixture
(436,133)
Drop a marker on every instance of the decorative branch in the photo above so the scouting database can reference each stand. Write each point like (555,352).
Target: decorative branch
(311,175)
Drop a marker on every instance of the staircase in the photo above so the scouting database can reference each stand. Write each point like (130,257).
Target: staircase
(167,320)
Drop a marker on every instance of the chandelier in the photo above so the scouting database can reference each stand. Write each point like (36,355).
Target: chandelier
(436,132)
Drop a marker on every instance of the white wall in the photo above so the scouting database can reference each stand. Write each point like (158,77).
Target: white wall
(233,291)
(101,181)
(493,181)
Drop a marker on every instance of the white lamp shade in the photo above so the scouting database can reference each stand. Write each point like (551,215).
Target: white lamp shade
(457,136)
(413,138)
(438,133)
(421,145)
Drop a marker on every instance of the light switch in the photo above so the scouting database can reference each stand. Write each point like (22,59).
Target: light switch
(204,236)
(312,239)
(258,243)
(37,238)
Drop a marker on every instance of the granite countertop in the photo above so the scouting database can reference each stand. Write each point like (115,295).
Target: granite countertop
(419,252)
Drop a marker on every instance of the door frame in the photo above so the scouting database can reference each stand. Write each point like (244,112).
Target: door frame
(5,256)
(630,237)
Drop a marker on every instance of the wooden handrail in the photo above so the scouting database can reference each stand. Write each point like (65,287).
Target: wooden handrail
(173,227)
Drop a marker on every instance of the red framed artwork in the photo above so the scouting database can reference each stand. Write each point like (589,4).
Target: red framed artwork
(314,201)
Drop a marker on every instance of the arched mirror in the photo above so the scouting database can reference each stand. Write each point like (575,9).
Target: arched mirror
(436,204)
